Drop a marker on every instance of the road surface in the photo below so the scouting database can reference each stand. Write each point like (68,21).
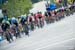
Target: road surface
(57,36)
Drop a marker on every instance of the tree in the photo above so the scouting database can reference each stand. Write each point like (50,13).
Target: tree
(71,1)
(17,7)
